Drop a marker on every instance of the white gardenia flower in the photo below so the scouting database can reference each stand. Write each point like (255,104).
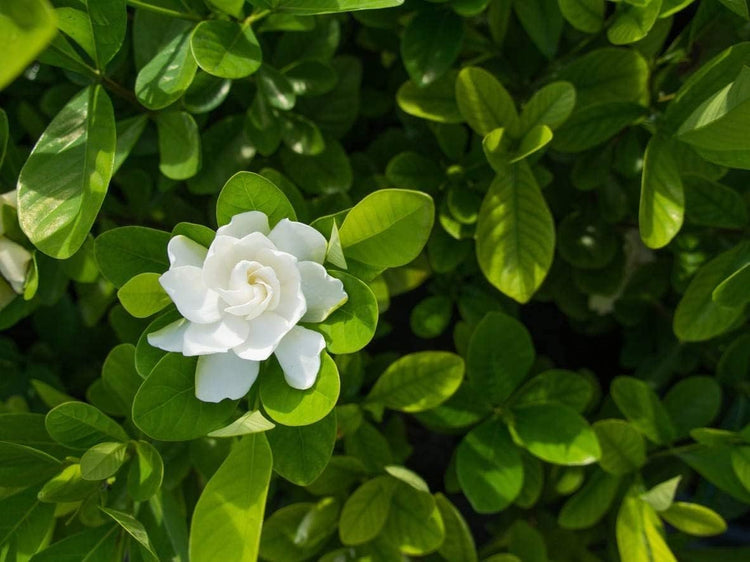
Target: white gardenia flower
(242,299)
(14,258)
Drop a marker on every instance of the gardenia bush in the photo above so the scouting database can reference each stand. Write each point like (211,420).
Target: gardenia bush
(374,280)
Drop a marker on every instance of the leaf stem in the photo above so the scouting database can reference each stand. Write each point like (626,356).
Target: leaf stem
(164,11)
(255,16)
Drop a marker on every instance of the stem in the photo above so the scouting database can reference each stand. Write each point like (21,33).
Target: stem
(121,91)
(164,11)
(255,16)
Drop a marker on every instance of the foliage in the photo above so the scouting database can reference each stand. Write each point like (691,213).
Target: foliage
(538,210)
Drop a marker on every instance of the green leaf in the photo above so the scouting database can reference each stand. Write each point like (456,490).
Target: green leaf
(533,141)
(301,135)
(366,510)
(171,69)
(227,149)
(515,234)
(80,426)
(431,316)
(289,406)
(56,210)
(430,45)
(26,26)
(661,496)
(418,381)
(230,530)
(694,519)
(484,102)
(693,402)
(714,129)
(351,326)
(592,502)
(226,49)
(135,529)
(311,77)
(662,206)
(632,23)
(326,172)
(97,27)
(97,544)
(458,545)
(165,406)
(489,467)
(708,203)
(732,292)
(298,531)
(739,7)
(543,22)
(147,356)
(434,102)
(146,472)
(640,404)
(709,79)
(249,422)
(67,486)
(698,317)
(179,145)
(305,7)
(25,524)
(142,296)
(550,106)
(584,15)
(277,89)
(29,430)
(593,125)
(639,532)
(388,228)
(302,453)
(556,385)
(248,191)
(623,448)
(22,466)
(129,131)
(555,433)
(608,75)
(410,170)
(414,523)
(103,460)
(499,357)
(123,253)
(712,464)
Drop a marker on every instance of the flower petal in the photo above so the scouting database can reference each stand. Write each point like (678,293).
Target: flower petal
(219,337)
(184,251)
(323,293)
(14,263)
(299,356)
(194,300)
(170,337)
(266,331)
(243,224)
(291,301)
(224,375)
(300,240)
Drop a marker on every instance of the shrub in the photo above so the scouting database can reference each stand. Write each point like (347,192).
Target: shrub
(374,280)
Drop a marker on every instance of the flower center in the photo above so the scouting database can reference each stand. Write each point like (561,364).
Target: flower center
(254,288)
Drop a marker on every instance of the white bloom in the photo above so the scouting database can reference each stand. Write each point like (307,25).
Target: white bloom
(14,258)
(242,299)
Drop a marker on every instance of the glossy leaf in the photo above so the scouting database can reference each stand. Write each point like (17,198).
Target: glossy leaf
(226,49)
(418,381)
(165,406)
(231,529)
(515,234)
(662,207)
(56,211)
